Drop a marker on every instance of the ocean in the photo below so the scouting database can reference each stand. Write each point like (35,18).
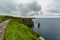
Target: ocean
(49,28)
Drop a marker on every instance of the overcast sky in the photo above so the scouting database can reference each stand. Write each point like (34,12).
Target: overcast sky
(32,8)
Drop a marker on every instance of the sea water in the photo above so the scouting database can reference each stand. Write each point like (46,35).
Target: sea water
(49,28)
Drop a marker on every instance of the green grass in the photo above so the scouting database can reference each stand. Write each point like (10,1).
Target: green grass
(17,31)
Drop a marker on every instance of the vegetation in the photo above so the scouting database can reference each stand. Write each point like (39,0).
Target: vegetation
(17,31)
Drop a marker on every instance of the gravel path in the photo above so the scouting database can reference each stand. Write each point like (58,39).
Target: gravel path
(2,28)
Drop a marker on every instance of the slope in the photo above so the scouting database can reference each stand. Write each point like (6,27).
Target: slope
(17,31)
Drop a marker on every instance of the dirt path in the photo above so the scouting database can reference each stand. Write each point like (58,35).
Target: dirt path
(2,28)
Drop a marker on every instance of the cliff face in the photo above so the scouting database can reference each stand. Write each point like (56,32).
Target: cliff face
(26,21)
(16,24)
(17,31)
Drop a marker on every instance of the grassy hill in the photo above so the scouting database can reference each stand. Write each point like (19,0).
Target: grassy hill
(18,31)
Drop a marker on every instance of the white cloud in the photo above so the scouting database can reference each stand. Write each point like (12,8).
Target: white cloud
(32,8)
(52,6)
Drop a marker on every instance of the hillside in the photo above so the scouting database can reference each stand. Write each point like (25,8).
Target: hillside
(26,21)
(17,31)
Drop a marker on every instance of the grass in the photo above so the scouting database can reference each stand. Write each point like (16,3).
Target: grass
(17,31)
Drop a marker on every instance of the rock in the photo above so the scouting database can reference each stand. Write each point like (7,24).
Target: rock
(40,38)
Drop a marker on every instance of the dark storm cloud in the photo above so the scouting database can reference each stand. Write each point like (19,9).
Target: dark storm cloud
(35,7)
(26,8)
(8,7)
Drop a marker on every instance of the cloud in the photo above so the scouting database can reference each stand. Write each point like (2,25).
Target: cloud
(30,8)
(11,8)
(6,7)
(52,6)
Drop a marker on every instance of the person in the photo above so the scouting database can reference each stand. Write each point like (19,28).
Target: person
(3,20)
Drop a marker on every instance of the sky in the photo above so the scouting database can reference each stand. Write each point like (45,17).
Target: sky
(30,8)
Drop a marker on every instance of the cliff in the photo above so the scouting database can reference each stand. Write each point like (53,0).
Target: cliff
(18,31)
(26,21)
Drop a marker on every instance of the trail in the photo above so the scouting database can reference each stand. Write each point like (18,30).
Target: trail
(2,28)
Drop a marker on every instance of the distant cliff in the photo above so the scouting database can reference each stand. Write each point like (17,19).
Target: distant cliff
(25,21)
